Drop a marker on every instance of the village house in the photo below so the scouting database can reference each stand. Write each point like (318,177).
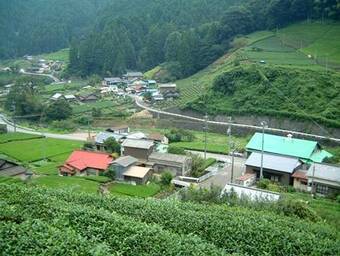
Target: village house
(137,174)
(300,182)
(133,75)
(121,129)
(112,81)
(176,164)
(103,136)
(166,88)
(9,168)
(92,97)
(276,168)
(121,165)
(158,138)
(324,178)
(305,150)
(140,149)
(57,96)
(85,163)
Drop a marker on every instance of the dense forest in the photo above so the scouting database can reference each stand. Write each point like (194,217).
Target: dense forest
(110,37)
(38,26)
(185,35)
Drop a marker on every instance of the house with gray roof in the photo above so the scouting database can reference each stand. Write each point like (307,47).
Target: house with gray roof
(112,81)
(324,178)
(138,148)
(277,168)
(122,164)
(178,165)
(103,136)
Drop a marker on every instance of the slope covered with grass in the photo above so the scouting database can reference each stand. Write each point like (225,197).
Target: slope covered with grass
(61,222)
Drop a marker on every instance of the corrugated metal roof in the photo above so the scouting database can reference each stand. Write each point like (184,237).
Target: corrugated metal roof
(131,143)
(167,157)
(125,161)
(325,172)
(103,136)
(137,171)
(282,145)
(273,162)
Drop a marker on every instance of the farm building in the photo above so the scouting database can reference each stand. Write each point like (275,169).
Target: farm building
(57,96)
(9,168)
(300,182)
(176,164)
(122,129)
(88,98)
(85,163)
(305,150)
(140,149)
(158,138)
(137,174)
(324,178)
(166,88)
(275,167)
(121,164)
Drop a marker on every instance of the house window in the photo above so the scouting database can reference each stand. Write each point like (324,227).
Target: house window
(275,178)
(303,182)
(321,189)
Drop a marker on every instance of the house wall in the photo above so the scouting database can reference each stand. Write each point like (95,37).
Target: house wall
(138,181)
(284,178)
(141,154)
(298,184)
(321,187)
(119,170)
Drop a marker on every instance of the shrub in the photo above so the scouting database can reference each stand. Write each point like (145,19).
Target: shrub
(166,178)
(64,125)
(176,150)
(296,208)
(110,173)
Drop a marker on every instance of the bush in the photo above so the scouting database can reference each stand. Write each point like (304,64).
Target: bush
(88,145)
(110,173)
(166,178)
(3,128)
(176,150)
(64,125)
(177,135)
(296,208)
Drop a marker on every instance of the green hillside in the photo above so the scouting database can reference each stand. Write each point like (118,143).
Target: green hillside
(50,222)
(283,53)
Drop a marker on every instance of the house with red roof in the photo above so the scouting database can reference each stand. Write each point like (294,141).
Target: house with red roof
(85,163)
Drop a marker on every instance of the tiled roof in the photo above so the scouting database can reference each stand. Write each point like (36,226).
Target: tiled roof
(84,159)
(125,161)
(155,156)
(300,174)
(325,172)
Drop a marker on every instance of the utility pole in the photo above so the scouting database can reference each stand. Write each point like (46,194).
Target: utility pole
(14,122)
(232,150)
(263,123)
(313,189)
(88,129)
(205,135)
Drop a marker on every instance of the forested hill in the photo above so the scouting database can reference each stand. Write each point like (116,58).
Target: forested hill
(38,26)
(185,36)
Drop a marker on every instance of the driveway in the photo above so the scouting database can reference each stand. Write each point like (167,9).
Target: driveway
(224,175)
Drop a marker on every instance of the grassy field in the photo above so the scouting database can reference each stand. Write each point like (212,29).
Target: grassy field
(49,166)
(137,191)
(78,184)
(30,151)
(216,143)
(61,55)
(327,209)
(11,136)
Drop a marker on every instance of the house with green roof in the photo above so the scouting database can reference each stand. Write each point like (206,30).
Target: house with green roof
(305,150)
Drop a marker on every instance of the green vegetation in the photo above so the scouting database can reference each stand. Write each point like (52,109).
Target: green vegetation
(121,221)
(77,184)
(38,149)
(61,55)
(15,136)
(134,190)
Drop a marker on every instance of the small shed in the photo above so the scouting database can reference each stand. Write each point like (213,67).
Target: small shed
(121,164)
(166,88)
(119,129)
(137,174)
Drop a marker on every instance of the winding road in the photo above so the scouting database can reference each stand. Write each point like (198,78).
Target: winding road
(55,79)
(140,103)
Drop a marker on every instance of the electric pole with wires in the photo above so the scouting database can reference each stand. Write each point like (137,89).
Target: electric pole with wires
(205,135)
(264,125)
(232,149)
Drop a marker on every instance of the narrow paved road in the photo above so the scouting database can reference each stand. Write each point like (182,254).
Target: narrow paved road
(55,79)
(10,127)
(140,103)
